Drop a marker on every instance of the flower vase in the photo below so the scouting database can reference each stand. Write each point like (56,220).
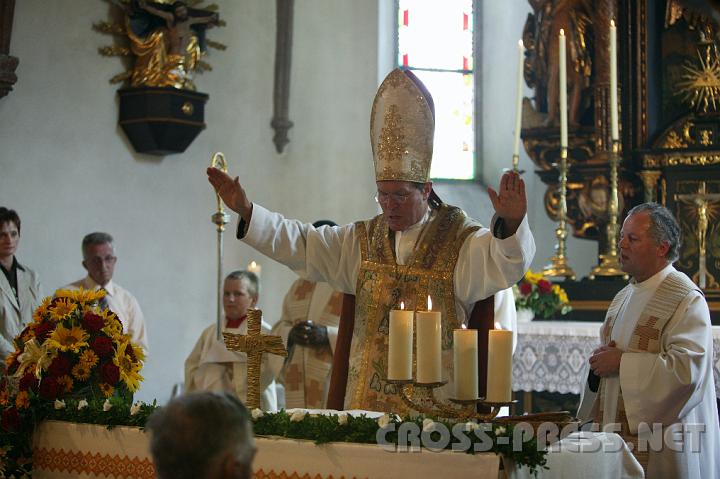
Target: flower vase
(525,315)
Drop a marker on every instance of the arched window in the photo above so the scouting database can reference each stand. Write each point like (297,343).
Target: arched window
(435,39)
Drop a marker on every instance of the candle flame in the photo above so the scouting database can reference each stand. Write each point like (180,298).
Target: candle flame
(429,303)
(562,32)
(497,325)
(402,305)
(520,44)
(612,23)
(463,326)
(252,266)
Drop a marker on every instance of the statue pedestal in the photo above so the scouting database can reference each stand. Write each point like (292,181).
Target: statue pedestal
(161,121)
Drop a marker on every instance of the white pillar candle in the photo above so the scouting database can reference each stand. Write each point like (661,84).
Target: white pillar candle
(563,91)
(519,97)
(465,356)
(614,130)
(400,344)
(429,368)
(499,375)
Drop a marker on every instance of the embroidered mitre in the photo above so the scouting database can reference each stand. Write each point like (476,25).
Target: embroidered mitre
(402,126)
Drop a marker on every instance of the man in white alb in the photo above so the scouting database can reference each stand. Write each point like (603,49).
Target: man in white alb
(655,362)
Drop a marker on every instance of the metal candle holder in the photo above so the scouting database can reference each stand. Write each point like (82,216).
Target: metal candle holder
(609,262)
(411,391)
(558,266)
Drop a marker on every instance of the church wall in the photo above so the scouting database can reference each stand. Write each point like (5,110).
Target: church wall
(68,169)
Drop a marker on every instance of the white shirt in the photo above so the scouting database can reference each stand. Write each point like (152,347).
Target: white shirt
(122,303)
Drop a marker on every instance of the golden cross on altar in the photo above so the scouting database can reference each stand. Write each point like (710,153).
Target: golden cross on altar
(254,344)
(701,200)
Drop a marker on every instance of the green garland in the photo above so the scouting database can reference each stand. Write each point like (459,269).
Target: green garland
(362,429)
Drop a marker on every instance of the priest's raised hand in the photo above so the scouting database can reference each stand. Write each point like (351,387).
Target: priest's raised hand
(510,203)
(231,192)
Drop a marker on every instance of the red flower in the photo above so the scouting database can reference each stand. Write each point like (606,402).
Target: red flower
(29,381)
(60,366)
(544,286)
(103,346)
(110,373)
(10,419)
(525,288)
(92,322)
(43,331)
(49,388)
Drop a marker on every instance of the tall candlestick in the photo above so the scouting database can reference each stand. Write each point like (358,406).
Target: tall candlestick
(465,356)
(615,132)
(499,376)
(563,91)
(518,105)
(400,344)
(429,368)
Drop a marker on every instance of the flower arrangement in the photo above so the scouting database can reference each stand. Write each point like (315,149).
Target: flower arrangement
(73,350)
(540,296)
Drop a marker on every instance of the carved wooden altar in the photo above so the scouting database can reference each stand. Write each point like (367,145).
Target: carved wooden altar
(669,93)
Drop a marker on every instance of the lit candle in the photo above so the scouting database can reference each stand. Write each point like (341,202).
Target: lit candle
(428,346)
(563,91)
(499,375)
(465,355)
(614,132)
(400,344)
(518,105)
(253,267)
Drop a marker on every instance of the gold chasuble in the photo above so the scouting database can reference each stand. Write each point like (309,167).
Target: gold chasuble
(382,284)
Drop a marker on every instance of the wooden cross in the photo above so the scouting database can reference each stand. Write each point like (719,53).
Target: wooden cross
(701,200)
(254,344)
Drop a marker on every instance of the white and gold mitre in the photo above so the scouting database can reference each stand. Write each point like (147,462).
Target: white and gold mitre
(402,124)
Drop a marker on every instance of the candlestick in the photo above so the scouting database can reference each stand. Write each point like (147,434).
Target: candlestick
(400,344)
(499,377)
(220,218)
(518,105)
(429,368)
(614,133)
(563,91)
(465,356)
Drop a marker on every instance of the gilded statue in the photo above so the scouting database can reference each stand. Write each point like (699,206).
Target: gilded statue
(166,40)
(541,32)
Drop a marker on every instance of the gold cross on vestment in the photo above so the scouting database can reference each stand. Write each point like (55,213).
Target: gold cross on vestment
(254,344)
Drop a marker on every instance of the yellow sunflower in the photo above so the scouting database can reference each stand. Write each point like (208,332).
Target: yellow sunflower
(129,370)
(89,358)
(42,310)
(81,371)
(106,389)
(81,295)
(4,398)
(66,339)
(66,383)
(533,278)
(22,400)
(112,327)
(11,359)
(62,309)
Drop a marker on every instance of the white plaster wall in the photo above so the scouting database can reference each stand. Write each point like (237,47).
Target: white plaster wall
(68,170)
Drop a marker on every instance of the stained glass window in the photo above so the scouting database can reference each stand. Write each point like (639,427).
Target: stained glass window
(435,41)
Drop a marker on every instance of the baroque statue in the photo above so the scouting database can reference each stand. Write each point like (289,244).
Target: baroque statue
(166,40)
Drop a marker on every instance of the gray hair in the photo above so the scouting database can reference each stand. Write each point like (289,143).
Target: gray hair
(663,227)
(193,435)
(95,239)
(249,279)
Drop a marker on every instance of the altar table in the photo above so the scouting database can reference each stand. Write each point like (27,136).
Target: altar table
(552,356)
(68,450)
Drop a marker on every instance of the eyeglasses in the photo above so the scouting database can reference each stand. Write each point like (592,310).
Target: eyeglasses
(399,198)
(98,260)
